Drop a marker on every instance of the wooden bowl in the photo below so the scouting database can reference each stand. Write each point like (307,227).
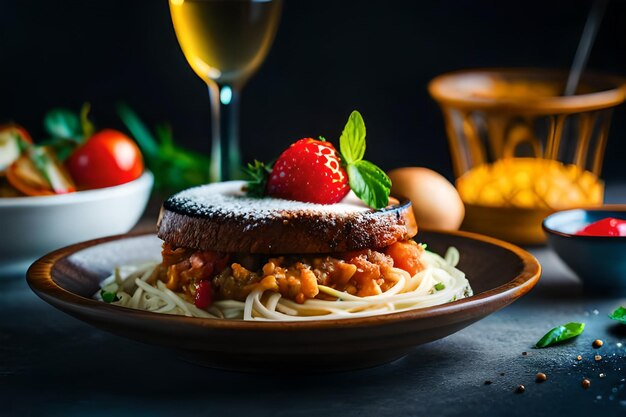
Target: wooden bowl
(498,272)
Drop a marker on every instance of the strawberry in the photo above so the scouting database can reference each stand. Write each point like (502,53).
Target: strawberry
(313,171)
(309,170)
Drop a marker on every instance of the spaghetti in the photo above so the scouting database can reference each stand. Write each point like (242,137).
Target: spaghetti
(439,282)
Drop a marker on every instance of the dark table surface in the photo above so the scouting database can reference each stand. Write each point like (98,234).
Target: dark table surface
(53,364)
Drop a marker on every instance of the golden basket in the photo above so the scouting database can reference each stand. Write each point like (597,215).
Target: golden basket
(520,150)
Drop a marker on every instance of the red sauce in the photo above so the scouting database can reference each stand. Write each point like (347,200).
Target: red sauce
(605,227)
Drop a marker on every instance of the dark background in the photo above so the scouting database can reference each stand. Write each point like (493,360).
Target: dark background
(329,58)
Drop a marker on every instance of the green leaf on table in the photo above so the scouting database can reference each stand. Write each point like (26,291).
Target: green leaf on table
(352,140)
(619,315)
(369,183)
(560,334)
(62,123)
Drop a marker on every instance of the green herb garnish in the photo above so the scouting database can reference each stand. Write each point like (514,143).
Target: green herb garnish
(439,286)
(369,182)
(63,124)
(174,167)
(258,173)
(108,297)
(619,315)
(561,333)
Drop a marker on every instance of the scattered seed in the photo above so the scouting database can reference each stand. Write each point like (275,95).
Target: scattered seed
(597,343)
(598,358)
(585,383)
(541,377)
(524,353)
(602,375)
(488,382)
(579,358)
(520,388)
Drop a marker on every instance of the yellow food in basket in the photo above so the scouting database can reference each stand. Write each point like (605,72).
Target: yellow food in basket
(530,183)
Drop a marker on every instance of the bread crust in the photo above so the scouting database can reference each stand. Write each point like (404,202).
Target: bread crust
(184,222)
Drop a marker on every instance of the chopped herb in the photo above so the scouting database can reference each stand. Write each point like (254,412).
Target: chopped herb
(258,173)
(561,333)
(108,297)
(321,138)
(619,315)
(439,286)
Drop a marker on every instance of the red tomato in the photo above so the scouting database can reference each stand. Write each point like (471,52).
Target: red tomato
(605,227)
(204,294)
(108,158)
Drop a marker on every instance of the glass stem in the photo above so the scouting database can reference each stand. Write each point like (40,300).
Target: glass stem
(225,154)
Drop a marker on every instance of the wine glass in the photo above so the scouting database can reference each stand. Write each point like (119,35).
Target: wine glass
(225,41)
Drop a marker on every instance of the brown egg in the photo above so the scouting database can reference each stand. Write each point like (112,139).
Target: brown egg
(436,203)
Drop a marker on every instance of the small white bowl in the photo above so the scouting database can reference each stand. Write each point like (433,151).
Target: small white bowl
(33,226)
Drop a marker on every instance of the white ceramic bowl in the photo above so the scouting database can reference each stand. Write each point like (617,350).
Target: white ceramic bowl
(33,226)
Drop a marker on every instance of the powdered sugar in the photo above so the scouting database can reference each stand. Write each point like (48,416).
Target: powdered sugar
(227,200)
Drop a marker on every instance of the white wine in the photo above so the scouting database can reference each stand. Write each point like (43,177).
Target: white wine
(225,40)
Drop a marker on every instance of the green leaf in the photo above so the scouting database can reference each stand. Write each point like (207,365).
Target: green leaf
(352,140)
(41,160)
(62,147)
(369,183)
(138,130)
(257,173)
(174,167)
(561,333)
(62,123)
(86,125)
(440,286)
(619,315)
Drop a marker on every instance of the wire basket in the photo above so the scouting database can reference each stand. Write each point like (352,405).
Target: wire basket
(520,150)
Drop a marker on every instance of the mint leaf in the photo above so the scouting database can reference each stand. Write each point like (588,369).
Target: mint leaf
(369,183)
(560,333)
(352,140)
(62,123)
(619,315)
